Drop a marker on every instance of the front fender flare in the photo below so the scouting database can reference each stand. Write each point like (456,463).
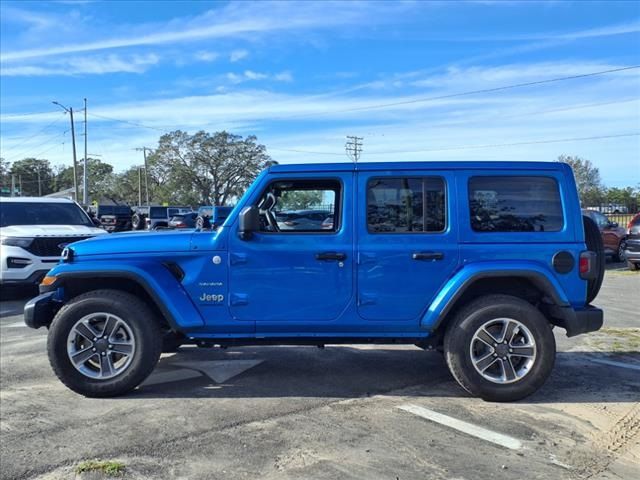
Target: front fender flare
(453,290)
(156,280)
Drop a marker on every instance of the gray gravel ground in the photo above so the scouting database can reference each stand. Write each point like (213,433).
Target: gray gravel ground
(302,412)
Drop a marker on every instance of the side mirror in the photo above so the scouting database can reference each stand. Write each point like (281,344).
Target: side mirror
(249,222)
(613,224)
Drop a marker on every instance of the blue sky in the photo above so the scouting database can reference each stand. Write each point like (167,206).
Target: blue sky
(302,76)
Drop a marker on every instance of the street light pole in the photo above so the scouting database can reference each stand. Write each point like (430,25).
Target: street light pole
(73,141)
(85,172)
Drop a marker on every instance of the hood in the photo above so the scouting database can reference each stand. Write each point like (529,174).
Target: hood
(135,242)
(31,231)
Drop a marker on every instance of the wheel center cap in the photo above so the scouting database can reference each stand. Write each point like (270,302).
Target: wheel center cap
(502,349)
(102,345)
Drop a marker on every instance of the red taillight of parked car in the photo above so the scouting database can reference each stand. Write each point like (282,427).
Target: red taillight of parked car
(181,225)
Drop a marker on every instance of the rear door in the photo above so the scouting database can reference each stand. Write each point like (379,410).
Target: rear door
(407,244)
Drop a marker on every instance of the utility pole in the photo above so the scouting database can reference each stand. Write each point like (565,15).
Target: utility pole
(139,186)
(73,141)
(13,184)
(39,184)
(146,175)
(20,182)
(85,172)
(353,147)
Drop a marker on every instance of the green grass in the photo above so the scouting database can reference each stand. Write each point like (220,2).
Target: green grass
(110,468)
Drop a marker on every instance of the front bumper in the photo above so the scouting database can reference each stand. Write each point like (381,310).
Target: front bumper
(576,322)
(632,252)
(39,311)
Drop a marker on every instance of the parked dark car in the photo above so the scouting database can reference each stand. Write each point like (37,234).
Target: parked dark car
(114,218)
(613,235)
(185,220)
(632,252)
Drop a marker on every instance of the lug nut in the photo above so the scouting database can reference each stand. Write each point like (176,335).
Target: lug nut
(94,349)
(104,354)
(95,339)
(511,350)
(110,346)
(504,358)
(495,354)
(495,344)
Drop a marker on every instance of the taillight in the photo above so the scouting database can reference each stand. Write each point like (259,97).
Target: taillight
(587,265)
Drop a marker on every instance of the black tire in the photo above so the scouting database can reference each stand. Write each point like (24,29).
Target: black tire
(137,316)
(137,221)
(458,345)
(633,266)
(620,256)
(593,239)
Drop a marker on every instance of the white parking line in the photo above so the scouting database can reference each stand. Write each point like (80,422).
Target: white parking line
(613,363)
(465,427)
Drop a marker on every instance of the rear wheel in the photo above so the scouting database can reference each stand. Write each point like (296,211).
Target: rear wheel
(593,239)
(633,266)
(137,221)
(500,348)
(104,343)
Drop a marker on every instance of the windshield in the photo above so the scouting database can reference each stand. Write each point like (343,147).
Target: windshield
(32,213)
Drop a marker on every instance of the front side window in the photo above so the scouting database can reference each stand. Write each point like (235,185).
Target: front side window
(515,204)
(406,205)
(301,206)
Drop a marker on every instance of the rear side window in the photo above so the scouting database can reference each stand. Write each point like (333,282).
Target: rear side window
(515,204)
(406,205)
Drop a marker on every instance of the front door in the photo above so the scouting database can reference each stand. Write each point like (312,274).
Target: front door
(407,245)
(296,273)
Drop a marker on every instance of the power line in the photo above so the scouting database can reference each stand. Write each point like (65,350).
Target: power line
(471,92)
(26,154)
(534,142)
(30,114)
(38,132)
(470,147)
(127,121)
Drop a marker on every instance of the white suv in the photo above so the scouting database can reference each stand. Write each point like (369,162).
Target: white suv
(33,232)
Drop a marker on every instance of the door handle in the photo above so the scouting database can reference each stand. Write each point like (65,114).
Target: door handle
(427,255)
(331,256)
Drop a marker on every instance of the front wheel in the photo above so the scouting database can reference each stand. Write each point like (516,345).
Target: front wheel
(621,254)
(104,343)
(500,348)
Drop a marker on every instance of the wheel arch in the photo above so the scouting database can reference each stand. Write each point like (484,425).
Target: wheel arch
(160,288)
(534,286)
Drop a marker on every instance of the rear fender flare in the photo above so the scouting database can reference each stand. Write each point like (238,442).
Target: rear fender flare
(447,298)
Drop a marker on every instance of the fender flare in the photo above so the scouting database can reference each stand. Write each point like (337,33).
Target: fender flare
(455,288)
(179,311)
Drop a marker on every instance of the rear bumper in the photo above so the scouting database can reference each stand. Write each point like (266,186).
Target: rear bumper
(576,322)
(39,311)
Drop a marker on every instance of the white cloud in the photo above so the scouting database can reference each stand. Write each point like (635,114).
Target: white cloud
(244,19)
(250,75)
(238,55)
(206,56)
(91,65)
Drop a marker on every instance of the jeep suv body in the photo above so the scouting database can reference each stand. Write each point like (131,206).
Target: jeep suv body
(479,259)
(33,233)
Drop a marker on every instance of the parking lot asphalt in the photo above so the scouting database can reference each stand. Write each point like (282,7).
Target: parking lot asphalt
(359,412)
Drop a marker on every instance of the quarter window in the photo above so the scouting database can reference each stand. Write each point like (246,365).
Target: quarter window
(406,205)
(515,204)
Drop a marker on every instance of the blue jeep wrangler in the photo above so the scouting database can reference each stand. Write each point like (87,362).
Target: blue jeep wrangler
(479,260)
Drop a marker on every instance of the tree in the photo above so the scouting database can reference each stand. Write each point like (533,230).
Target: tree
(36,175)
(590,187)
(204,168)
(100,182)
(300,199)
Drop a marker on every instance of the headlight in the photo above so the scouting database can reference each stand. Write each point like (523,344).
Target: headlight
(17,241)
